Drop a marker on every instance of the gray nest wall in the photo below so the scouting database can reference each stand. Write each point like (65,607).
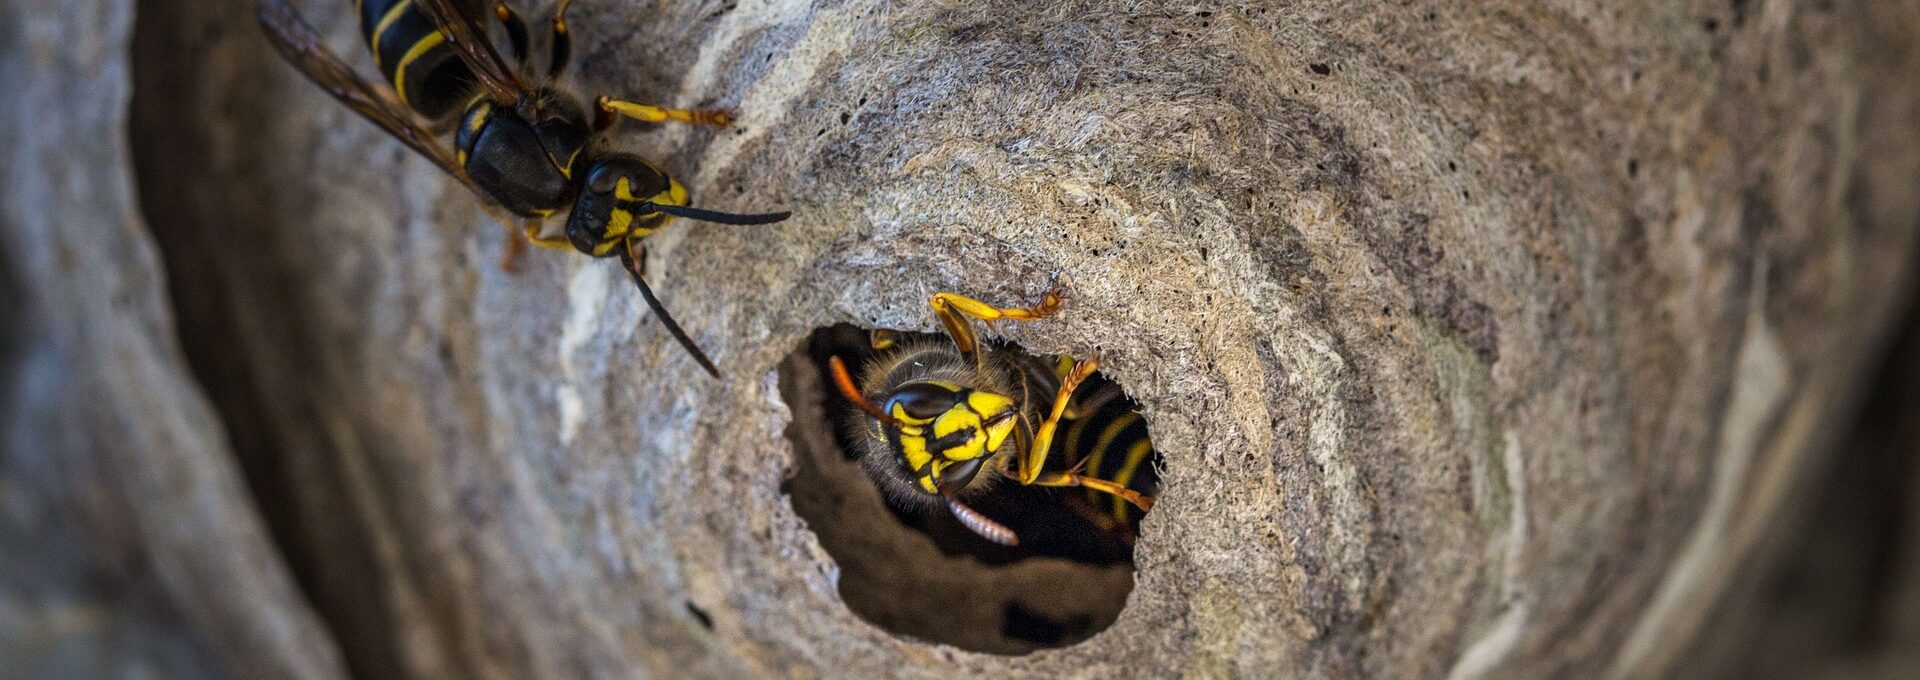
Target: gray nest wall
(1491,340)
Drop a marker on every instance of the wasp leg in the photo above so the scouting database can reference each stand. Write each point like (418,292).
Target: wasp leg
(1101,519)
(511,250)
(1139,500)
(634,258)
(659,114)
(529,233)
(533,229)
(881,338)
(562,41)
(1027,469)
(516,30)
(953,310)
(1048,378)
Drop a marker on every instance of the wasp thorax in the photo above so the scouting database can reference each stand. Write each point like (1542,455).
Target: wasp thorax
(524,163)
(561,125)
(617,202)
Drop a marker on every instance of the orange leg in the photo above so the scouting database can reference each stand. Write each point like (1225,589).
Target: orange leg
(953,310)
(659,114)
(1139,500)
(510,253)
(1027,470)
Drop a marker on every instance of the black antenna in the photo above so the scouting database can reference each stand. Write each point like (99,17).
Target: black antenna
(715,216)
(626,259)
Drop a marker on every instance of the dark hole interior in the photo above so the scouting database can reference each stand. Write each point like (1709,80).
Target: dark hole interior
(919,572)
(700,615)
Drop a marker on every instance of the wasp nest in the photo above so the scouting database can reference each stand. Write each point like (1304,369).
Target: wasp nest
(1474,339)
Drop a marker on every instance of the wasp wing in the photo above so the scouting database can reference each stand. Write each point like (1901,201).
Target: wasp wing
(298,42)
(469,39)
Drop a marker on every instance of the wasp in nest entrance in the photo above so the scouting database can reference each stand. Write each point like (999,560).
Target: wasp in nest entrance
(972,493)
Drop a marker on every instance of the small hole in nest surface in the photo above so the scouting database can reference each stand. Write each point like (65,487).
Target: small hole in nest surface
(700,615)
(908,566)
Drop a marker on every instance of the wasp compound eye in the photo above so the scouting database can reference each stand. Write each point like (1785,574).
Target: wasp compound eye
(603,180)
(958,475)
(922,401)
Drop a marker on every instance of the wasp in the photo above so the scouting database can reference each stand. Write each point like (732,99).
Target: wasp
(944,419)
(521,141)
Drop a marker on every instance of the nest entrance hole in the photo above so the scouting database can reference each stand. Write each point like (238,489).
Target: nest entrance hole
(918,572)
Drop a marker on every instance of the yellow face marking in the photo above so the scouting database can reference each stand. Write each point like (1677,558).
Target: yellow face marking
(913,450)
(997,433)
(386,21)
(419,48)
(619,223)
(674,195)
(929,480)
(916,452)
(955,420)
(988,404)
(971,416)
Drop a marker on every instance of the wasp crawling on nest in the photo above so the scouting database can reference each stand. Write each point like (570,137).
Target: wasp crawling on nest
(939,422)
(521,142)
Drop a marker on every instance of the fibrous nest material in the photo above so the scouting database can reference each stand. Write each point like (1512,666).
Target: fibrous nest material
(1476,340)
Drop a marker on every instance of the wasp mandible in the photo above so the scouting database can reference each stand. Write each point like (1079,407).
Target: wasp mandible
(521,141)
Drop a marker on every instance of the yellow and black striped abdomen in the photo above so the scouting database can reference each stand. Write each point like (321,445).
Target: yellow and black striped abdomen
(1110,439)
(413,56)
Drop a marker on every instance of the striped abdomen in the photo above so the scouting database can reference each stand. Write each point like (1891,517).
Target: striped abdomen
(410,51)
(1111,437)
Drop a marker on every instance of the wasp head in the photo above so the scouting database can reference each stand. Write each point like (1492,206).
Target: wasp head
(944,432)
(620,200)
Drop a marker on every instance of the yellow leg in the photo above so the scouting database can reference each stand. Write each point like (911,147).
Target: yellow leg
(953,310)
(1139,500)
(1028,470)
(553,242)
(657,114)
